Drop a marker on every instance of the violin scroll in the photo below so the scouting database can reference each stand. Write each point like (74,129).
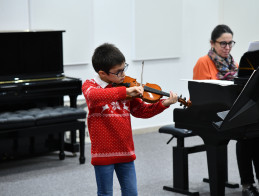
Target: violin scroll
(184,102)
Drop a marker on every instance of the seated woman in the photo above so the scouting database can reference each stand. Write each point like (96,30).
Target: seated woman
(218,64)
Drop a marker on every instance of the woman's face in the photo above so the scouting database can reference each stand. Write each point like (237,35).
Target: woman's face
(219,44)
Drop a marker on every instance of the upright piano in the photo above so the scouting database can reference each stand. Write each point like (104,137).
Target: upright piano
(32,76)
(222,111)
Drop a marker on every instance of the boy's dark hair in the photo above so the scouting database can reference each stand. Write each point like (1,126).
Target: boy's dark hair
(107,56)
(219,30)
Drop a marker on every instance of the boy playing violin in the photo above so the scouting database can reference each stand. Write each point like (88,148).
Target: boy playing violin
(109,124)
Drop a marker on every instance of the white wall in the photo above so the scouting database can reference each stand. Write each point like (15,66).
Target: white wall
(14,14)
(243,18)
(72,16)
(113,21)
(164,41)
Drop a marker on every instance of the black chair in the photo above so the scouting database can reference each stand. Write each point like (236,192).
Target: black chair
(180,161)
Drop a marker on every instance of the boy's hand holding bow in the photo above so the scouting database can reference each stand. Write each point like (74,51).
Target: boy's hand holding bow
(135,91)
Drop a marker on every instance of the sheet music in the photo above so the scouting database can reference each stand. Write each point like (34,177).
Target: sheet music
(218,82)
(253,46)
(245,86)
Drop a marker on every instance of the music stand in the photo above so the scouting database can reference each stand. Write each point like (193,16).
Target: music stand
(245,109)
(248,63)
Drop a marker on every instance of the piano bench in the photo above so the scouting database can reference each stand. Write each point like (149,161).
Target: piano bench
(180,159)
(44,121)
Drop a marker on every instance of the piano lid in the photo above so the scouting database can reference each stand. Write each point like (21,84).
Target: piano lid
(31,54)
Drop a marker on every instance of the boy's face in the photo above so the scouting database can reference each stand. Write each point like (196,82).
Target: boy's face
(115,75)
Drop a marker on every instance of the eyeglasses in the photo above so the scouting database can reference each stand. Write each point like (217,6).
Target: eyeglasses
(120,72)
(224,44)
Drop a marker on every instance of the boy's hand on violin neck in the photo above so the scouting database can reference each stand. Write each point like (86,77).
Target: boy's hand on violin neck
(171,100)
(135,91)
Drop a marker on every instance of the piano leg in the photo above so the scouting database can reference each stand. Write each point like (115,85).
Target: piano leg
(73,145)
(73,99)
(82,143)
(73,142)
(217,166)
(61,146)
(227,183)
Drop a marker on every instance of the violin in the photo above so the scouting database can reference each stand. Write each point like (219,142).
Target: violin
(152,92)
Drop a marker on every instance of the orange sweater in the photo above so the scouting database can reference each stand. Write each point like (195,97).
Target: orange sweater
(205,69)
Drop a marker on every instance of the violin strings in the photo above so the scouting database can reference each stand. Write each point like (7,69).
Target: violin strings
(152,90)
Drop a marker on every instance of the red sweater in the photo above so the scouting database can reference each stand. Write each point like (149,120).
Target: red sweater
(109,121)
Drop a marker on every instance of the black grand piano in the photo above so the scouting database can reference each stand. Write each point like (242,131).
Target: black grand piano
(32,76)
(221,112)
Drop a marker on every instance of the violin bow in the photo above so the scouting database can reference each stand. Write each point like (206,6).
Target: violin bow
(141,82)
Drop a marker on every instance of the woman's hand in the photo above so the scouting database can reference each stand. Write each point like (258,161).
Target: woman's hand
(171,100)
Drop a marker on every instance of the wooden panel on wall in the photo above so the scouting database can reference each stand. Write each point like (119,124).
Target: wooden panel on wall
(158,29)
(72,16)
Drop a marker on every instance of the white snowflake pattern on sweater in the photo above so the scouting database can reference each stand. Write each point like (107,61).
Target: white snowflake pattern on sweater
(109,122)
